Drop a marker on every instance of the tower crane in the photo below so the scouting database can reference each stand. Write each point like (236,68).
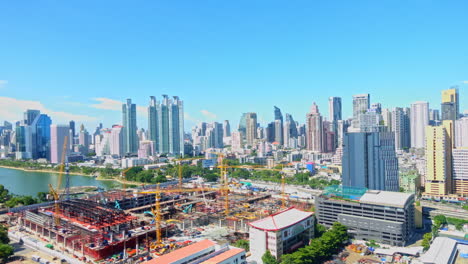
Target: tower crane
(180,169)
(157,210)
(55,192)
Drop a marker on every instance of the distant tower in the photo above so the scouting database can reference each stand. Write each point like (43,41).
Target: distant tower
(419,120)
(361,102)
(251,128)
(450,104)
(226,128)
(153,132)
(58,133)
(314,129)
(130,127)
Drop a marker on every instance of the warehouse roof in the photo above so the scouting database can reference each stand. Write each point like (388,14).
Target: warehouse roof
(182,253)
(395,199)
(281,220)
(224,256)
(441,251)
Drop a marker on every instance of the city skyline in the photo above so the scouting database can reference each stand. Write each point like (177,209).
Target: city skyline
(88,63)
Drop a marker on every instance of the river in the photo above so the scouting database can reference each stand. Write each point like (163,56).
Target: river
(30,183)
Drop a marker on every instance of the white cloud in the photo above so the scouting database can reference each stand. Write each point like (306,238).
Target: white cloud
(12,110)
(464,82)
(114,105)
(190,118)
(208,114)
(3,83)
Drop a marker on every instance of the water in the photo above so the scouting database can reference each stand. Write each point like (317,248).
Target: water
(30,183)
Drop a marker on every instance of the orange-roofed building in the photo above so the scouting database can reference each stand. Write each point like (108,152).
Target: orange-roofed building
(186,254)
(231,256)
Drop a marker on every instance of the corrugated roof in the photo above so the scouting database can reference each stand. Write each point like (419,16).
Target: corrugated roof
(223,256)
(440,251)
(395,199)
(281,220)
(182,252)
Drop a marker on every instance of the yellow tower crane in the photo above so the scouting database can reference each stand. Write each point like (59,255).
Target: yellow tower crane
(157,210)
(180,168)
(55,192)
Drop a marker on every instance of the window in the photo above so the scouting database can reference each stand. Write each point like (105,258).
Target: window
(308,222)
(285,233)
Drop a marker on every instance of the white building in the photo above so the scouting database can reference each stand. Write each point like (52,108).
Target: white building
(419,120)
(460,171)
(280,233)
(116,146)
(461,132)
(58,133)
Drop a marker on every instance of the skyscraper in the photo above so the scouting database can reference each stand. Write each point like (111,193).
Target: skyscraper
(72,128)
(314,129)
(369,161)
(419,120)
(30,115)
(251,128)
(58,133)
(243,125)
(361,102)
(226,128)
(278,126)
(439,159)
(450,104)
(153,132)
(401,128)
(129,127)
(117,141)
(171,126)
(334,108)
(41,137)
(83,140)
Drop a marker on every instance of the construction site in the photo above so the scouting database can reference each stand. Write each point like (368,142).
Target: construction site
(120,226)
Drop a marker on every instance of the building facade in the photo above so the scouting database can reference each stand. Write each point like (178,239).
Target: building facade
(419,120)
(58,135)
(314,125)
(386,217)
(129,128)
(460,171)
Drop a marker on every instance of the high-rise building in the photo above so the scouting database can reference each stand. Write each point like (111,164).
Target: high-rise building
(83,140)
(41,137)
(226,128)
(369,122)
(30,115)
(251,128)
(279,131)
(361,102)
(243,125)
(461,133)
(58,134)
(401,127)
(171,126)
(334,108)
(72,128)
(460,171)
(153,132)
(450,104)
(237,145)
(376,107)
(24,142)
(419,120)
(314,129)
(434,117)
(439,159)
(129,127)
(387,118)
(369,161)
(117,141)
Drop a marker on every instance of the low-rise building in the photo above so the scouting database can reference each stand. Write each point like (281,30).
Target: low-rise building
(280,233)
(410,182)
(386,217)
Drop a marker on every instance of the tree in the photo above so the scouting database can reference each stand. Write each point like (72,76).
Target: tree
(242,243)
(268,258)
(439,221)
(4,235)
(426,242)
(319,230)
(5,252)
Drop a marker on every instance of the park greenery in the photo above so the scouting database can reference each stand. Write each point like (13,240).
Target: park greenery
(320,248)
(12,200)
(243,243)
(438,222)
(5,249)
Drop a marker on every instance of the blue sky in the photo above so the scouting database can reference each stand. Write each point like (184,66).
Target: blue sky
(227,57)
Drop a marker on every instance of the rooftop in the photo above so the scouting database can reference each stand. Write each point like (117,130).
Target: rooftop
(441,251)
(182,253)
(395,199)
(224,256)
(281,220)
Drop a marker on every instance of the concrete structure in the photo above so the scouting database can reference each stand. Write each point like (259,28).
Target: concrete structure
(386,217)
(280,233)
(58,133)
(117,141)
(153,132)
(460,171)
(438,161)
(314,124)
(369,122)
(419,120)
(410,182)
(226,128)
(334,108)
(129,128)
(461,133)
(369,161)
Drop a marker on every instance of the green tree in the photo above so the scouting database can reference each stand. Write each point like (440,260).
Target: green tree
(242,243)
(426,242)
(5,252)
(268,258)
(319,230)
(439,221)
(4,235)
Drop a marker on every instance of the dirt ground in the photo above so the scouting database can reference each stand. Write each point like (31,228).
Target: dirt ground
(354,257)
(27,253)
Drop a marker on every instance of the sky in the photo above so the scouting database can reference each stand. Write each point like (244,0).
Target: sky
(81,59)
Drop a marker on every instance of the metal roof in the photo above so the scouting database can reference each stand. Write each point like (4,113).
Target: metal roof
(281,220)
(395,199)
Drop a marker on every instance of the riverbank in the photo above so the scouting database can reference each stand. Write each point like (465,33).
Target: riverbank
(99,178)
